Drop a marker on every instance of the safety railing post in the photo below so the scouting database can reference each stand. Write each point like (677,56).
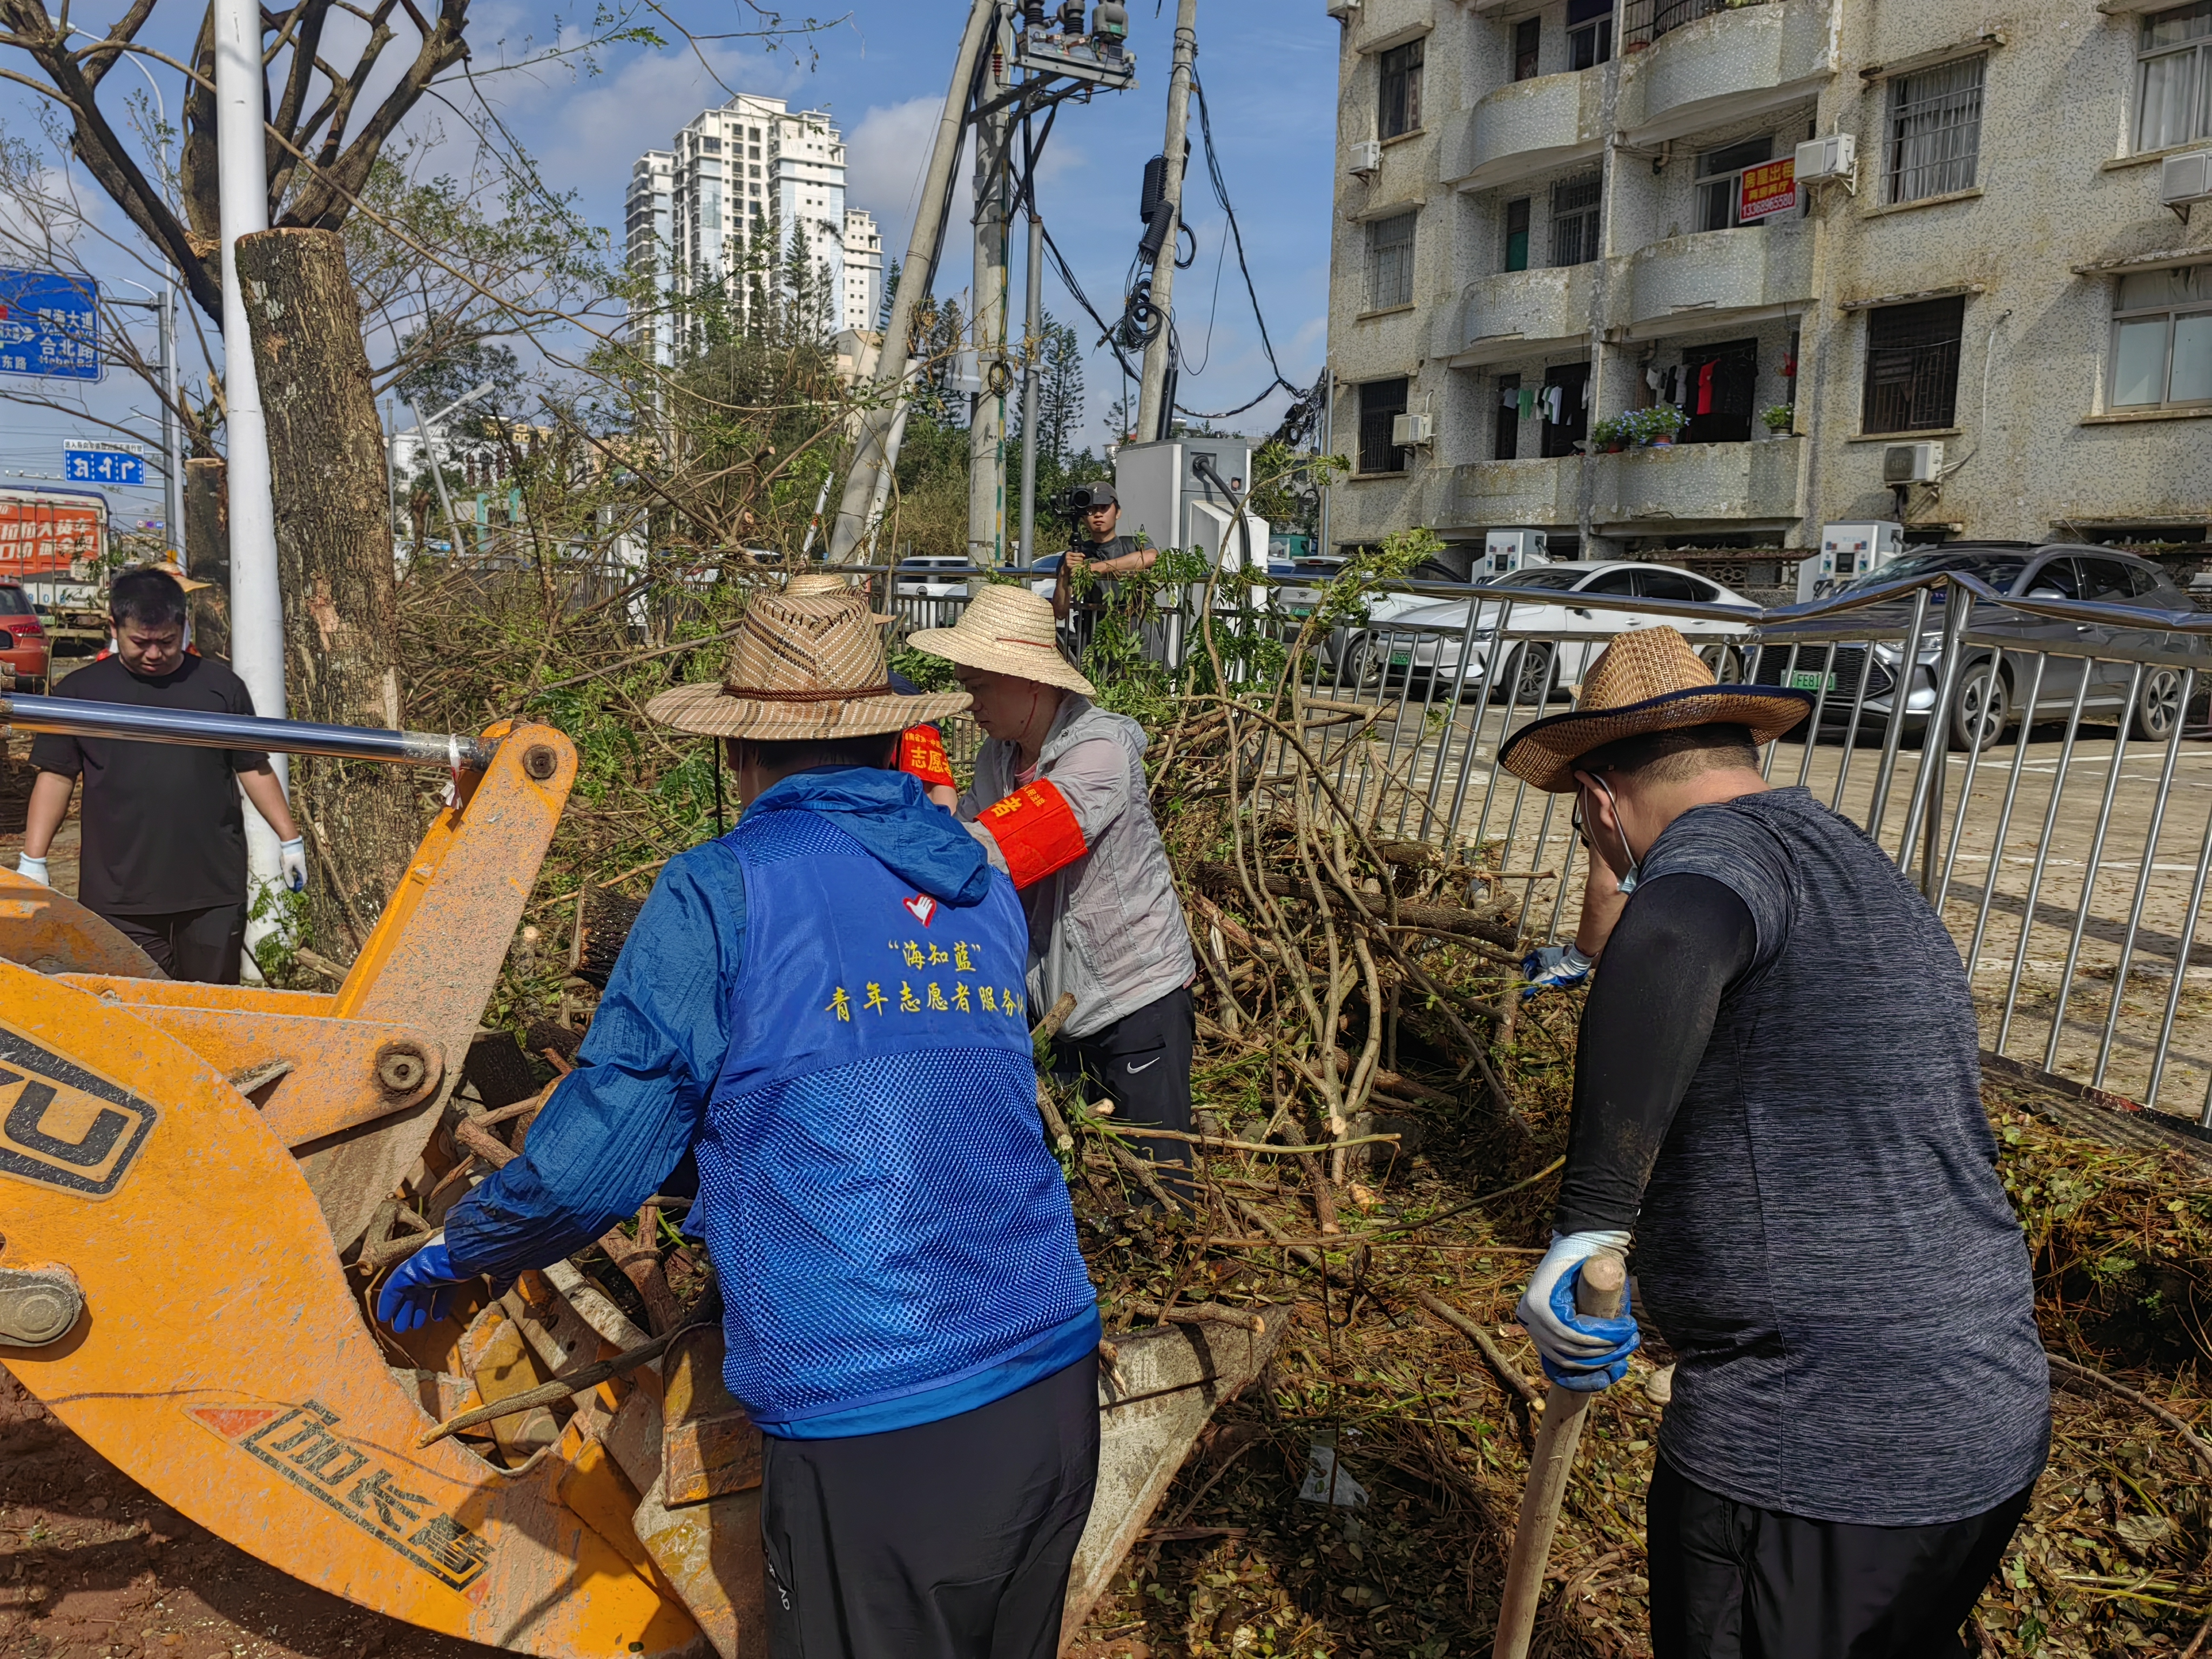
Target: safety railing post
(2090,875)
(1926,807)
(1908,662)
(2142,876)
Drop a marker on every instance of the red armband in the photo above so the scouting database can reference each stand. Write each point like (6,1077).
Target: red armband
(921,753)
(1036,829)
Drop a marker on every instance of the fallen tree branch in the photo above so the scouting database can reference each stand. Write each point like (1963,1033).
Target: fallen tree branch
(559,1389)
(2196,1441)
(1485,1345)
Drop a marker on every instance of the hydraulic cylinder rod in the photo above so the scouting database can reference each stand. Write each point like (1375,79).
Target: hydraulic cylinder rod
(72,717)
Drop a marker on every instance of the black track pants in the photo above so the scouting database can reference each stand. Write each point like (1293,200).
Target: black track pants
(1142,1062)
(949,1540)
(1732,1582)
(203,946)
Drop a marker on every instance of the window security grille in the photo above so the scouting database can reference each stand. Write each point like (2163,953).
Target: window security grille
(1575,220)
(1935,129)
(1401,91)
(1912,367)
(1390,262)
(2174,105)
(1381,402)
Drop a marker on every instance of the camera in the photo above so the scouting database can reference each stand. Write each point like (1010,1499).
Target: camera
(1076,500)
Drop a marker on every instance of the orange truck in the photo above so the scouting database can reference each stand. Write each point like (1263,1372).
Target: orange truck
(204,1185)
(53,543)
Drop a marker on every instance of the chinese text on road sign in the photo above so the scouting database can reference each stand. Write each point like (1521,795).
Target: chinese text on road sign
(49,325)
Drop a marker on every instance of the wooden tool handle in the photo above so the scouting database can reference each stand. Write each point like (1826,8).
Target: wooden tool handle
(1600,1291)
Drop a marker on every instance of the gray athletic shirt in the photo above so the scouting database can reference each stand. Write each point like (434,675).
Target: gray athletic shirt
(1825,1241)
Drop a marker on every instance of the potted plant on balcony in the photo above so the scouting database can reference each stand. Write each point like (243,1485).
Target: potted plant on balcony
(1658,426)
(1614,433)
(1778,419)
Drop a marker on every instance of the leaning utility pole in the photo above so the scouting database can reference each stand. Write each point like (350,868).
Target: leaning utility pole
(1032,373)
(875,453)
(1155,419)
(986,429)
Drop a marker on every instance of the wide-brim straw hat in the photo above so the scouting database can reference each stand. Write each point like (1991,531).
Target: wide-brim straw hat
(805,667)
(1647,681)
(175,572)
(1005,630)
(802,587)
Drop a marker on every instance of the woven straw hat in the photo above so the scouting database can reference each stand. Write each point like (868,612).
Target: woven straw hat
(1647,681)
(1005,630)
(806,586)
(807,667)
(175,572)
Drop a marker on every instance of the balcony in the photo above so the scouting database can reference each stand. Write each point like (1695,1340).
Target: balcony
(1730,65)
(1516,312)
(1695,486)
(1536,492)
(1687,283)
(1527,127)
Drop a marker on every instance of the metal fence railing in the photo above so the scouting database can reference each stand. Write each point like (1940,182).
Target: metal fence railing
(2029,763)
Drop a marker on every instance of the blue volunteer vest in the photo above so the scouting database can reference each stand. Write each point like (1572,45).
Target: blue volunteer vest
(876,1192)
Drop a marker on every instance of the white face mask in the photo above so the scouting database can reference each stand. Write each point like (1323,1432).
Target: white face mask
(1627,883)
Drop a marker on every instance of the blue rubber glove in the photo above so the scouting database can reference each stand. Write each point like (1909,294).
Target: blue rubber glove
(419,1289)
(1554,968)
(1586,1355)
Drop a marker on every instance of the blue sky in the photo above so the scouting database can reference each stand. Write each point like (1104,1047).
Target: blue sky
(1268,67)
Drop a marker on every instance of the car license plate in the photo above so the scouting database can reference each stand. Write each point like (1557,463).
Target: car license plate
(1400,658)
(1805,680)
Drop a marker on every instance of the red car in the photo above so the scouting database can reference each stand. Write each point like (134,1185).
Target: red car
(22,637)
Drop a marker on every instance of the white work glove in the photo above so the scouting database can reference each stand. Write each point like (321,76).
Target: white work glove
(292,863)
(1554,968)
(34,868)
(1577,1353)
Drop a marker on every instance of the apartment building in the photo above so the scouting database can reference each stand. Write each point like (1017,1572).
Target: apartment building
(1553,213)
(752,168)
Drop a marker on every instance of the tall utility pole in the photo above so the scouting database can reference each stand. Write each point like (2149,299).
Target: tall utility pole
(257,603)
(1032,374)
(986,431)
(1154,418)
(875,453)
(173,426)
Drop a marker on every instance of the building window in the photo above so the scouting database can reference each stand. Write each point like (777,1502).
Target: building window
(1401,90)
(1505,439)
(1516,234)
(2176,102)
(1574,220)
(1381,402)
(1589,33)
(1912,367)
(1390,262)
(1720,183)
(1528,36)
(1935,129)
(1564,404)
(2162,339)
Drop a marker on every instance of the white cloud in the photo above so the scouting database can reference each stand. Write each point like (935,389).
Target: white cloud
(886,157)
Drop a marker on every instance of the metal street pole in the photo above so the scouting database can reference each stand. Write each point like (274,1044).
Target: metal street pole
(172,426)
(987,430)
(1154,418)
(867,484)
(1033,332)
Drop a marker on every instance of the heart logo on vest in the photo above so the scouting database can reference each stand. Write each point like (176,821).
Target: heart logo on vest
(923,907)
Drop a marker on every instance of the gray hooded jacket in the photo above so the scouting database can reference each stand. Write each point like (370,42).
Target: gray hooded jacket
(1108,926)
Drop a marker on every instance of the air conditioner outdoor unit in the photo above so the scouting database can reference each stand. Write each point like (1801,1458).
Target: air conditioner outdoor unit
(1408,431)
(1911,463)
(1367,158)
(2185,178)
(1836,157)
(1342,8)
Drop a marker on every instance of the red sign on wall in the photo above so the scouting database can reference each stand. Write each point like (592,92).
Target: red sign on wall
(1768,190)
(43,534)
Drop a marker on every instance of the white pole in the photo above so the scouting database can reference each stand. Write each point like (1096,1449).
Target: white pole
(1155,419)
(173,426)
(257,606)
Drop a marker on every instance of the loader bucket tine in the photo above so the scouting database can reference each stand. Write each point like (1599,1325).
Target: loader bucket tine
(219,1359)
(51,934)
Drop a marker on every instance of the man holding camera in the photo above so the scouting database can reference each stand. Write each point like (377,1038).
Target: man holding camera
(1105,553)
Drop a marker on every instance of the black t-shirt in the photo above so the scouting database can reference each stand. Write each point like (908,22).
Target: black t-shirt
(163,827)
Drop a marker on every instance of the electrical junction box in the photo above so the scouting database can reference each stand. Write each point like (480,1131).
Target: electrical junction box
(1504,551)
(1911,463)
(1836,157)
(1366,157)
(1172,491)
(1848,551)
(2183,180)
(1410,431)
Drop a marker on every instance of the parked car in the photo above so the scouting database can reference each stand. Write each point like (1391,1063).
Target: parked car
(1993,684)
(931,579)
(1425,640)
(23,643)
(1042,575)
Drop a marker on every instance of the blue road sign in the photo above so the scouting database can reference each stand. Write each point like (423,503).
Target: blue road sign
(49,325)
(107,467)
